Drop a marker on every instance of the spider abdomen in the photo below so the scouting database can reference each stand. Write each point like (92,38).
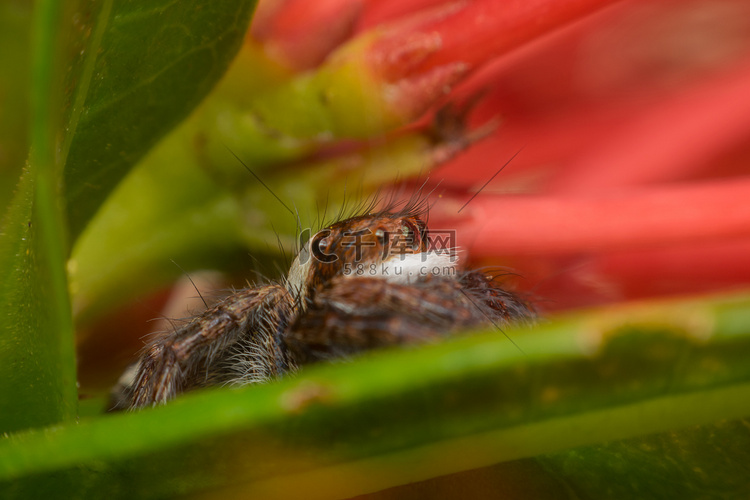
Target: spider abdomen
(353,314)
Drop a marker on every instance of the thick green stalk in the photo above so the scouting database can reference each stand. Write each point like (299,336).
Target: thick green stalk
(37,359)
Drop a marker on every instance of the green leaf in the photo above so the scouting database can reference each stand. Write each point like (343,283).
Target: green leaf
(144,67)
(404,416)
(605,396)
(698,462)
(99,69)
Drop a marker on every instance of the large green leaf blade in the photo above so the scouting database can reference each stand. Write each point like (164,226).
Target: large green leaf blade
(404,416)
(145,66)
(99,69)
(698,462)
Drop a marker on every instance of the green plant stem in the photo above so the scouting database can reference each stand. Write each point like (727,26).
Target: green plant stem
(39,372)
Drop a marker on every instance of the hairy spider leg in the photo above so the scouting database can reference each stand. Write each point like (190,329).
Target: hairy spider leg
(176,361)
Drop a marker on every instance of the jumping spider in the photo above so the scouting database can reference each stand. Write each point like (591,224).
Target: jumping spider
(369,281)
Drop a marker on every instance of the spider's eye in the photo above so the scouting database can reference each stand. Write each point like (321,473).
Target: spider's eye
(319,247)
(382,235)
(320,242)
(414,233)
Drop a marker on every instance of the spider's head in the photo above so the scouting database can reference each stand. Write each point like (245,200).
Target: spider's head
(358,246)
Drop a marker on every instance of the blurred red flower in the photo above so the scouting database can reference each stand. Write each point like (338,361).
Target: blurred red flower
(633,123)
